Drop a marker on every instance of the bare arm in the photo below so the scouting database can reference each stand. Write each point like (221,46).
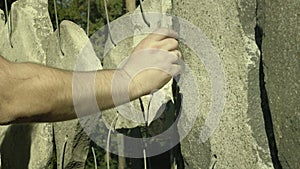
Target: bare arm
(34,93)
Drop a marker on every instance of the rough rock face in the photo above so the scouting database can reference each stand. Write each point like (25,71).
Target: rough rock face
(74,43)
(137,27)
(31,24)
(26,145)
(279,23)
(240,140)
(2,20)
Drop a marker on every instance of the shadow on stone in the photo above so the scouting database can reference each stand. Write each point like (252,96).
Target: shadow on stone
(15,148)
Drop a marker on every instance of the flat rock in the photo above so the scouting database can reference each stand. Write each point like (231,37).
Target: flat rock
(136,26)
(75,53)
(238,139)
(30,145)
(279,22)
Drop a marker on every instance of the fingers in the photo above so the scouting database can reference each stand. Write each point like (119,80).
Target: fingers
(174,57)
(168,44)
(175,70)
(176,53)
(164,33)
(163,38)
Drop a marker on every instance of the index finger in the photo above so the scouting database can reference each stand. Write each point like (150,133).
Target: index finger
(163,33)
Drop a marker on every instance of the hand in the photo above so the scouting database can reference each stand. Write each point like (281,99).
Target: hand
(154,61)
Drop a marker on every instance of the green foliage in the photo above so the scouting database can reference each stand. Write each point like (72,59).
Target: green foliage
(77,10)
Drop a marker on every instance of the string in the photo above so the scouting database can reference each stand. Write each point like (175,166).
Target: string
(57,26)
(9,22)
(108,24)
(63,152)
(94,155)
(143,15)
(88,17)
(113,123)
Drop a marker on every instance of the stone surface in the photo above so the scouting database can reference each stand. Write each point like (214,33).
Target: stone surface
(25,146)
(280,21)
(137,27)
(74,43)
(2,20)
(239,141)
(34,17)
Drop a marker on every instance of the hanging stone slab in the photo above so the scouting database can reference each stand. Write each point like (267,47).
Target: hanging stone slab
(279,23)
(2,21)
(31,24)
(158,20)
(239,140)
(26,146)
(136,26)
(2,27)
(74,43)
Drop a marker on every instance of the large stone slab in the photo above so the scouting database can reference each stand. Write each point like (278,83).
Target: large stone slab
(30,26)
(239,141)
(136,26)
(2,20)
(279,21)
(26,146)
(74,43)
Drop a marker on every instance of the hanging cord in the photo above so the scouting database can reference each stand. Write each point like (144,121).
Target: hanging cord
(145,114)
(143,14)
(9,23)
(88,18)
(113,123)
(214,162)
(108,24)
(63,152)
(145,144)
(87,33)
(94,155)
(57,26)
(146,119)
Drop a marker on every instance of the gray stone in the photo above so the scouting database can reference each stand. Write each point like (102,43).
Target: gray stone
(239,141)
(2,21)
(279,21)
(74,43)
(26,145)
(31,24)
(136,26)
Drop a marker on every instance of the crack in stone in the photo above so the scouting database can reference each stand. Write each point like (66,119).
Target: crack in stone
(264,96)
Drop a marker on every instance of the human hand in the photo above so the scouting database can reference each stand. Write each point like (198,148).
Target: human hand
(154,61)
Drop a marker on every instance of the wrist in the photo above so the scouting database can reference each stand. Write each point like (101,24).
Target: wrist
(134,87)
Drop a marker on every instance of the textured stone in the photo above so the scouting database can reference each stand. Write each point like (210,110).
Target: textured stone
(2,21)
(74,43)
(239,141)
(279,21)
(31,24)
(25,146)
(136,26)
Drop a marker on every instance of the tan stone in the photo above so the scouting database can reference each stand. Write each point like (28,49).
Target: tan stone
(76,50)
(239,140)
(279,23)
(26,145)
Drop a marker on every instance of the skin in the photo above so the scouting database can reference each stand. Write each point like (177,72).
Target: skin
(35,93)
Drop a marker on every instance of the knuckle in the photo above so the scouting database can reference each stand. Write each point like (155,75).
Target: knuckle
(174,42)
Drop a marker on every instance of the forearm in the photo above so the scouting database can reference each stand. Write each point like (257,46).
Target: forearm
(31,93)
(37,93)
(104,89)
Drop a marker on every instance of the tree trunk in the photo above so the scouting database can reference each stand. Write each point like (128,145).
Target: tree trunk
(130,5)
